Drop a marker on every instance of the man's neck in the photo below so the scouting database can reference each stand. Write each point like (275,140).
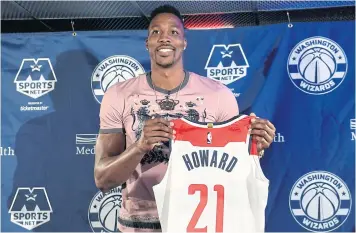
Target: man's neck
(168,78)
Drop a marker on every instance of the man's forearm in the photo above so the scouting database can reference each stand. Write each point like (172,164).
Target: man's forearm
(112,171)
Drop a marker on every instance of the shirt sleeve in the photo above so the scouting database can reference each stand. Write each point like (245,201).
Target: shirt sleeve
(227,104)
(111,112)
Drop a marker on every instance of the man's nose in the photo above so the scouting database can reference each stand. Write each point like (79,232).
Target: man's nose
(164,38)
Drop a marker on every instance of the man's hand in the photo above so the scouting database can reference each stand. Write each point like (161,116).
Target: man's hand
(263,131)
(155,131)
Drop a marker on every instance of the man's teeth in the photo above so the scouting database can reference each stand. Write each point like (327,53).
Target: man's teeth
(165,50)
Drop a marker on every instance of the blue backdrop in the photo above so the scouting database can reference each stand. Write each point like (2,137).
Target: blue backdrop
(300,78)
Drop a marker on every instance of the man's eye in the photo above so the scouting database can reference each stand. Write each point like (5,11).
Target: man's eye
(154,31)
(175,32)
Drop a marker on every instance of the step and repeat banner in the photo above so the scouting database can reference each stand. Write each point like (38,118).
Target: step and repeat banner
(302,78)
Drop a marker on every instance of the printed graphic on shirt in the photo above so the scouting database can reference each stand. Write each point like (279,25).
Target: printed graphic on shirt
(167,107)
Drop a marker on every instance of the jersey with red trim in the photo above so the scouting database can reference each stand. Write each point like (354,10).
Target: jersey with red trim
(214,182)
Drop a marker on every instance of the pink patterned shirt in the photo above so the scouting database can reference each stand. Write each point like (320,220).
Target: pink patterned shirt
(125,107)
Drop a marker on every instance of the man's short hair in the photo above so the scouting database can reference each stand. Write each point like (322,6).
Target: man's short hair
(167,9)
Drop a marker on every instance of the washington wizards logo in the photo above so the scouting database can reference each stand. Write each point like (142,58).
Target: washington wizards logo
(111,70)
(104,211)
(317,65)
(320,201)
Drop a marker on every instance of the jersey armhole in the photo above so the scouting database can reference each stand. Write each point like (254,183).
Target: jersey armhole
(255,160)
(257,171)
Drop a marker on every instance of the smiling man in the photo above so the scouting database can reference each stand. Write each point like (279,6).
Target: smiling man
(132,148)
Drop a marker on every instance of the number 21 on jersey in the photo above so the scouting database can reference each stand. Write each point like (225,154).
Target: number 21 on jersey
(204,198)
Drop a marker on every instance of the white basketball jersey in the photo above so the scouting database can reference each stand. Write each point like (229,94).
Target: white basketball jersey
(214,182)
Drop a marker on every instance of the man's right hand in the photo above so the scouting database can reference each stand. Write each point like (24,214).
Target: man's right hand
(155,131)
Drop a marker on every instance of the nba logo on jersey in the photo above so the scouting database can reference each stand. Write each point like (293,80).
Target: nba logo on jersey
(209,138)
(317,65)
(320,201)
(212,185)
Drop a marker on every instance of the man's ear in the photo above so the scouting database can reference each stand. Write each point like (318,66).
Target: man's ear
(185,43)
(146,41)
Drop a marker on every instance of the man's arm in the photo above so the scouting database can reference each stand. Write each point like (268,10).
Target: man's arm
(112,170)
(114,163)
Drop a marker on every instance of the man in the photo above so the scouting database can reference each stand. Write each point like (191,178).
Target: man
(132,148)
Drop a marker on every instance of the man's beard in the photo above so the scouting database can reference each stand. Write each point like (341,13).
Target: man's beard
(168,65)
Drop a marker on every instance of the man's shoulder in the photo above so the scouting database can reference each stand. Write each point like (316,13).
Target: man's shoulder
(208,83)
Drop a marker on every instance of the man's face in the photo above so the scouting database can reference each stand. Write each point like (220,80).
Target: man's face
(166,40)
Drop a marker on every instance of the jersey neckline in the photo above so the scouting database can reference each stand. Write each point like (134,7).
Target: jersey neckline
(214,124)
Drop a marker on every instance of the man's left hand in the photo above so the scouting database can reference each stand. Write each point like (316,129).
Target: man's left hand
(263,131)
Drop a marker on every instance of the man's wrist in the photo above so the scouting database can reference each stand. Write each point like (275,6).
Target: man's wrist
(139,148)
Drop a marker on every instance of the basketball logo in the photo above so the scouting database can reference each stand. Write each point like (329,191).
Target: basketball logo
(113,69)
(317,65)
(320,201)
(209,138)
(104,211)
